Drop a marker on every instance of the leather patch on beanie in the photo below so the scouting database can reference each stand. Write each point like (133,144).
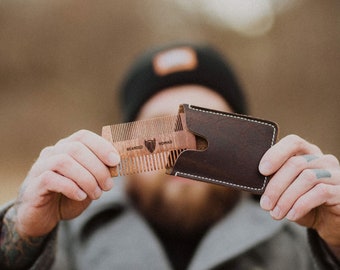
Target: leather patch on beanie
(175,60)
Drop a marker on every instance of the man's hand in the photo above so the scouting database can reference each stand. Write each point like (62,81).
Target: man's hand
(63,181)
(304,188)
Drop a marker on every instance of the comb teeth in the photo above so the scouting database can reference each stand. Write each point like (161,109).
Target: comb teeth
(148,163)
(146,128)
(149,145)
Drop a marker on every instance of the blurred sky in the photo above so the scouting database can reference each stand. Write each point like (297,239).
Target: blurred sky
(61,63)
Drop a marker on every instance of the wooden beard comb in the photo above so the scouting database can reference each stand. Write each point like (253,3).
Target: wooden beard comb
(198,143)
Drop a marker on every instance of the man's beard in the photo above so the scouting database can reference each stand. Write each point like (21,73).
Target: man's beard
(188,208)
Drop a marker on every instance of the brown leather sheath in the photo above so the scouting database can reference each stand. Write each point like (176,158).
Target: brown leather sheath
(236,144)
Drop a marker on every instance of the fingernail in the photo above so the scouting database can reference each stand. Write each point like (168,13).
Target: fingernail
(276,212)
(265,167)
(114,158)
(265,203)
(81,195)
(108,184)
(97,192)
(291,215)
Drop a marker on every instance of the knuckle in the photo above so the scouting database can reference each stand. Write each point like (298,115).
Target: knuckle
(315,148)
(295,163)
(297,141)
(331,159)
(294,138)
(46,178)
(308,175)
(323,190)
(302,144)
(62,162)
(61,141)
(46,151)
(80,135)
(74,149)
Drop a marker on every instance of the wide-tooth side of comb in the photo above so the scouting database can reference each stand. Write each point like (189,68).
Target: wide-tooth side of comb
(147,163)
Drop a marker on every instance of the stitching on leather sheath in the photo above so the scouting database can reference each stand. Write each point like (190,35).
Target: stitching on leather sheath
(221,182)
(237,117)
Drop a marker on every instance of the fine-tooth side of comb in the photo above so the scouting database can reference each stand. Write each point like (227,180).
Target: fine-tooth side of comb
(148,145)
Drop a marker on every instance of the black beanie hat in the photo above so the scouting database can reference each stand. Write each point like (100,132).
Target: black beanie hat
(174,65)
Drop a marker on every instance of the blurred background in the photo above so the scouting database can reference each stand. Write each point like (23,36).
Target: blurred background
(61,63)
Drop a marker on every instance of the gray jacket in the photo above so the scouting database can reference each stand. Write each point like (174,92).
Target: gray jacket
(110,234)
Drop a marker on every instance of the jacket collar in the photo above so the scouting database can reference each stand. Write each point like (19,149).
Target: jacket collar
(243,228)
